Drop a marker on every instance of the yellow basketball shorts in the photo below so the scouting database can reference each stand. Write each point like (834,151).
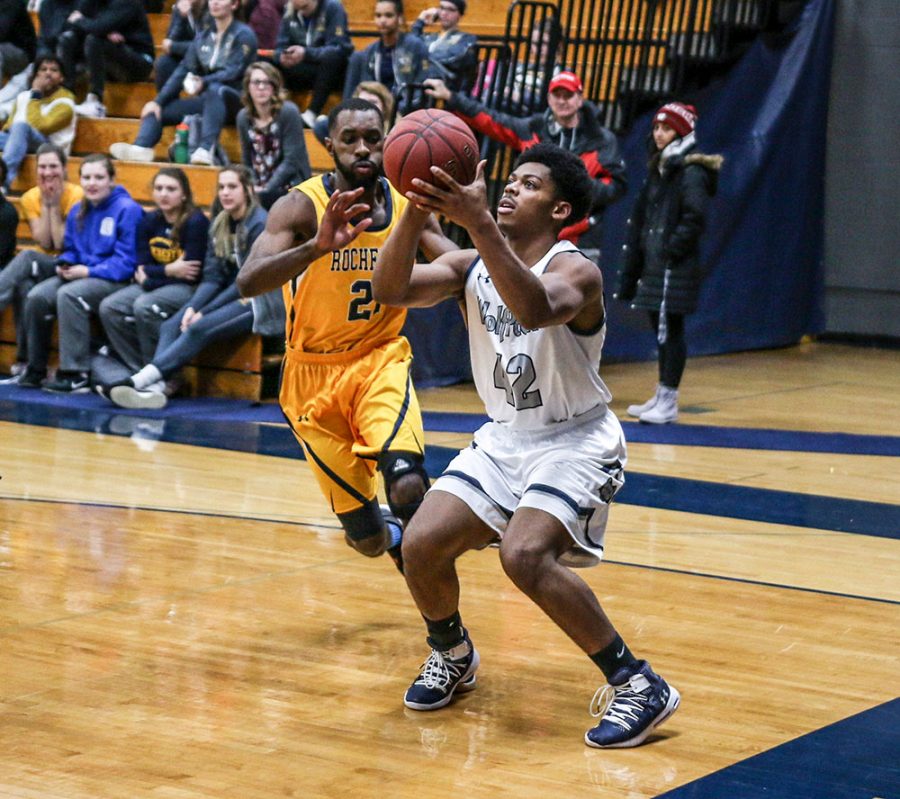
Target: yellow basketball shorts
(348,408)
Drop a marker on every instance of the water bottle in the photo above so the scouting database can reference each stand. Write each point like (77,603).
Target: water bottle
(181,144)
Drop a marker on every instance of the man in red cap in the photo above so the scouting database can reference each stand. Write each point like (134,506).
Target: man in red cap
(570,121)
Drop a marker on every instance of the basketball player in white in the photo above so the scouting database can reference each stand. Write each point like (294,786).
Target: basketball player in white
(541,474)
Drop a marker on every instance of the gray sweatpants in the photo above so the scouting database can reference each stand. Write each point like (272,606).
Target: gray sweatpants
(17,278)
(72,302)
(132,317)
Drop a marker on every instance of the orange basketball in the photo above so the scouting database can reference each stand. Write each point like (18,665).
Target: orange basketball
(427,138)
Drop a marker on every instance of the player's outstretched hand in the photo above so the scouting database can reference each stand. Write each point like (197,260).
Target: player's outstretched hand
(465,205)
(336,228)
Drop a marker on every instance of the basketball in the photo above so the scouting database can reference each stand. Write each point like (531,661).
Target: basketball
(427,138)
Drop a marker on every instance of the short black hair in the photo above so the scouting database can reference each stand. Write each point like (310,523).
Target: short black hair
(352,104)
(398,5)
(570,177)
(51,58)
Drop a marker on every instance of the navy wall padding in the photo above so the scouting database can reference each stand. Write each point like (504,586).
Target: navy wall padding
(764,245)
(763,249)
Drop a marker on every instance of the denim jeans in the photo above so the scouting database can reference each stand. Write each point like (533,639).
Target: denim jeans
(16,143)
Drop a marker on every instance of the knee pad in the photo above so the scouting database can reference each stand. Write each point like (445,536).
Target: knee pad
(393,466)
(364,522)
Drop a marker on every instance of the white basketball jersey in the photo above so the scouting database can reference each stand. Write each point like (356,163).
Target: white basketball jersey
(529,379)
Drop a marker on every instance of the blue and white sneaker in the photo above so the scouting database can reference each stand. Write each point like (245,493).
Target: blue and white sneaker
(631,708)
(444,673)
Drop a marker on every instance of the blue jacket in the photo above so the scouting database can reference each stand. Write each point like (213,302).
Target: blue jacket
(325,31)
(105,241)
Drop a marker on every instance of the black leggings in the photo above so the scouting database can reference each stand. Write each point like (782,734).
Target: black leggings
(673,352)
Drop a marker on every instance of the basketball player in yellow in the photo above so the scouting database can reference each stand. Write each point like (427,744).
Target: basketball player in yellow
(345,388)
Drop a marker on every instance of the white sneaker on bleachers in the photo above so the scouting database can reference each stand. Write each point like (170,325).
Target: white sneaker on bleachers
(202,156)
(91,107)
(123,151)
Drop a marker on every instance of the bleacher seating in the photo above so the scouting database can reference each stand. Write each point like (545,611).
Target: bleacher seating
(630,53)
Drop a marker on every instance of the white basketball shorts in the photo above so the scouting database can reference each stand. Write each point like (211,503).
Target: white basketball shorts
(570,470)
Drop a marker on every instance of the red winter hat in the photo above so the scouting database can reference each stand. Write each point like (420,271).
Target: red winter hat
(568,81)
(678,116)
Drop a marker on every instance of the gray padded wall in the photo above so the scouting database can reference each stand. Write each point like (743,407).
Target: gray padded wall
(862,203)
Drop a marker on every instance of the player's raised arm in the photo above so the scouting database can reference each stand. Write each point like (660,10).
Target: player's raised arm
(398,280)
(277,257)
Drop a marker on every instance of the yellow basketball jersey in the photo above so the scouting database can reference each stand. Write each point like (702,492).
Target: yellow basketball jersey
(330,307)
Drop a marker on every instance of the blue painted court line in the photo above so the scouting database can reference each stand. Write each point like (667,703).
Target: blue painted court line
(857,758)
(761,504)
(672,493)
(242,411)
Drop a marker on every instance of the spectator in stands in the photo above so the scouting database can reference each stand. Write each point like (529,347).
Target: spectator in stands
(171,246)
(662,271)
(525,83)
(376,93)
(451,53)
(210,73)
(185,22)
(216,310)
(45,113)
(570,122)
(18,41)
(396,60)
(9,221)
(45,208)
(264,16)
(313,49)
(52,16)
(112,38)
(98,258)
(273,146)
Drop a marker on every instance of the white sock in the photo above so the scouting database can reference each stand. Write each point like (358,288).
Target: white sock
(149,374)
(159,387)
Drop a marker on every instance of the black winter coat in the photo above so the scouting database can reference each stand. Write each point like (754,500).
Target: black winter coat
(662,256)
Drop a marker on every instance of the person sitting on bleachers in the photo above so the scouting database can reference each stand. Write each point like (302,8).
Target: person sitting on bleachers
(272,143)
(171,246)
(9,220)
(451,53)
(18,41)
(45,208)
(210,73)
(45,113)
(216,310)
(313,49)
(264,16)
(52,18)
(185,22)
(98,258)
(376,93)
(396,60)
(112,38)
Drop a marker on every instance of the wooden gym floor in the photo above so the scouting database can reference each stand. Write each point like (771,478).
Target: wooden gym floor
(180,618)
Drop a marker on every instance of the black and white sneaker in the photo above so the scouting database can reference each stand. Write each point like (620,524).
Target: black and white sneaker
(31,378)
(444,673)
(67,383)
(631,708)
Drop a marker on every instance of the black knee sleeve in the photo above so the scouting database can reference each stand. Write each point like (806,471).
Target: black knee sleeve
(364,522)
(393,466)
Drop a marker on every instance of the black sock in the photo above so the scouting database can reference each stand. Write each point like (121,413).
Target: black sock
(445,633)
(616,655)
